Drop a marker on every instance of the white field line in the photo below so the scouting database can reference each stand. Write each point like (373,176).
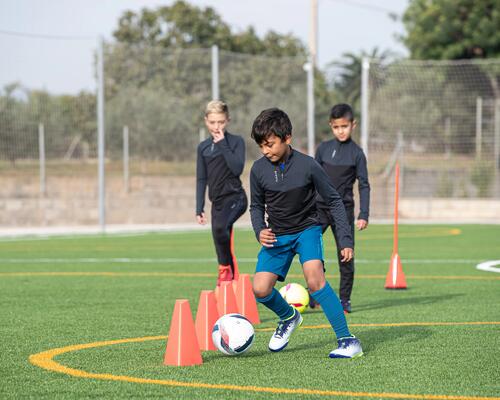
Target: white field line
(490,266)
(125,260)
(71,232)
(91,235)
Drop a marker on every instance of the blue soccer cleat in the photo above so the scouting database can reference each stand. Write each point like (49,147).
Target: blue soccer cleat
(281,336)
(349,347)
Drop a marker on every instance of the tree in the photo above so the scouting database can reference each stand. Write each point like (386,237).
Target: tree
(345,76)
(185,26)
(452,29)
(158,78)
(456,29)
(64,118)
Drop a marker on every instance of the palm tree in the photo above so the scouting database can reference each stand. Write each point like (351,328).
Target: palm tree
(345,76)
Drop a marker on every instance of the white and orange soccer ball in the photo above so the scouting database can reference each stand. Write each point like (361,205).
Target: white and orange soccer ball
(233,334)
(296,295)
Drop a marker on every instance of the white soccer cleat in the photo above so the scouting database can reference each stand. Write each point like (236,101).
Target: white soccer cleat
(349,347)
(281,336)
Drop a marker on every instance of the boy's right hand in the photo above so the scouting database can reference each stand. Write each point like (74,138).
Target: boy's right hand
(218,135)
(202,220)
(346,254)
(267,237)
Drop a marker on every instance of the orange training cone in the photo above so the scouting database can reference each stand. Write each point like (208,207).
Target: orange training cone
(226,303)
(247,306)
(206,317)
(182,345)
(216,294)
(395,277)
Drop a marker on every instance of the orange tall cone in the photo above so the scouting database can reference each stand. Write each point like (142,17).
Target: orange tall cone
(226,302)
(395,278)
(206,316)
(247,306)
(236,272)
(182,345)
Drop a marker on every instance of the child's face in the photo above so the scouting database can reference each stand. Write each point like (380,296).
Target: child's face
(274,148)
(342,128)
(216,122)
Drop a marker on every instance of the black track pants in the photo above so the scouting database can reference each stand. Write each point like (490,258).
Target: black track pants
(224,215)
(346,269)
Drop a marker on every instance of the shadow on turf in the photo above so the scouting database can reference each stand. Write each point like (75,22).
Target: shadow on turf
(293,347)
(402,301)
(371,339)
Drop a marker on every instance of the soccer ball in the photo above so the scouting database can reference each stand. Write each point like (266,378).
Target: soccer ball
(233,334)
(296,295)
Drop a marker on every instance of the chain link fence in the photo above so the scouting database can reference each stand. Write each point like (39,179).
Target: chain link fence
(441,121)
(154,104)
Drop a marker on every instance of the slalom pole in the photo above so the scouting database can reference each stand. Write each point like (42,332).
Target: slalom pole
(395,278)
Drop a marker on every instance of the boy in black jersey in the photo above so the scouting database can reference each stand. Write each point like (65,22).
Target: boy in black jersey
(283,186)
(220,162)
(344,162)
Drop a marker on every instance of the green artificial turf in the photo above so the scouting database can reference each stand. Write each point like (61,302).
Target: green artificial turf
(53,294)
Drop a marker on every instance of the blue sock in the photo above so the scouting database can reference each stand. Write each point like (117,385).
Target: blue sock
(333,310)
(275,302)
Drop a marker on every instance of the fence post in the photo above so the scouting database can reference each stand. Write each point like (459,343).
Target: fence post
(126,181)
(215,72)
(365,69)
(100,134)
(309,68)
(479,126)
(496,146)
(447,137)
(41,150)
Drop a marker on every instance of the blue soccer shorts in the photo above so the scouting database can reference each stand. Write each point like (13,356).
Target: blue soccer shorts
(308,244)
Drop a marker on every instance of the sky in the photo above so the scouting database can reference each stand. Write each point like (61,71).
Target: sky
(33,53)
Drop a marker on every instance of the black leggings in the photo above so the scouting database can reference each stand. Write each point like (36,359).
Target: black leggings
(224,214)
(346,268)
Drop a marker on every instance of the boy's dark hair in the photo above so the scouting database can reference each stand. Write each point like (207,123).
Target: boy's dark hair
(271,121)
(342,111)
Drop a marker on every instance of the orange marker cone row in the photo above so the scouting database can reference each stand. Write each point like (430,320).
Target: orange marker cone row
(247,306)
(206,316)
(182,346)
(226,301)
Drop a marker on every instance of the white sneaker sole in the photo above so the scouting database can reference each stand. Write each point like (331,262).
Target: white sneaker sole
(342,356)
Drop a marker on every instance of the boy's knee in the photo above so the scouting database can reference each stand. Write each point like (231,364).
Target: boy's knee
(261,291)
(220,232)
(313,285)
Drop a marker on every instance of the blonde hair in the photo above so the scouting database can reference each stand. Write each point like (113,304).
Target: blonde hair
(217,107)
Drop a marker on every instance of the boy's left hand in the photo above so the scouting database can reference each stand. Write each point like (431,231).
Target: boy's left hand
(346,254)
(361,224)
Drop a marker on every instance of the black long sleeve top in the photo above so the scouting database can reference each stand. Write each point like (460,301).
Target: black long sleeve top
(344,162)
(288,197)
(219,165)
